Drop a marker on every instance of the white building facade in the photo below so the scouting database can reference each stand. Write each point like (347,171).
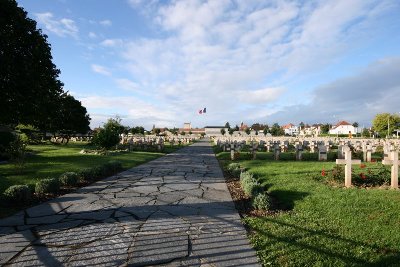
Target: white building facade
(343,127)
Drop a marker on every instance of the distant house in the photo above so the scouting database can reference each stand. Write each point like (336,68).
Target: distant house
(214,130)
(187,128)
(290,129)
(243,127)
(310,130)
(343,127)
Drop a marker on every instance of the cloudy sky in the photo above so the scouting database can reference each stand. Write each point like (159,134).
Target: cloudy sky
(159,62)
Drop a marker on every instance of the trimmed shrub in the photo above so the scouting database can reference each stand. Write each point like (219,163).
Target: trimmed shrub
(251,187)
(86,174)
(245,176)
(112,167)
(261,201)
(249,184)
(234,169)
(18,194)
(47,186)
(69,178)
(99,171)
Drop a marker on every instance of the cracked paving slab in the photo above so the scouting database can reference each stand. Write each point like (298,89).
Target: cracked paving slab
(172,211)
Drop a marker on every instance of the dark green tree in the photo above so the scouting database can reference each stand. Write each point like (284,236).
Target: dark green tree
(277,130)
(73,118)
(266,130)
(366,132)
(385,123)
(227,125)
(108,136)
(325,128)
(231,131)
(247,131)
(137,130)
(174,131)
(223,131)
(29,84)
(156,131)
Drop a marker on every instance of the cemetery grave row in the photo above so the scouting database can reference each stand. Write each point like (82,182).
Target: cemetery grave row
(321,146)
(150,142)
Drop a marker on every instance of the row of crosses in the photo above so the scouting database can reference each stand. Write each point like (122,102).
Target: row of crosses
(392,159)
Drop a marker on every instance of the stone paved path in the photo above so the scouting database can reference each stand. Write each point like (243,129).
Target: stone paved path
(173,211)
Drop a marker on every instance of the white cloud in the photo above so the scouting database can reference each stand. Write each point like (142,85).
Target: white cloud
(111,42)
(92,35)
(134,110)
(355,98)
(62,27)
(127,85)
(101,69)
(213,53)
(106,22)
(261,96)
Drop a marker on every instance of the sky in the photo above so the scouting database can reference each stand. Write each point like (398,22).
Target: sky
(159,62)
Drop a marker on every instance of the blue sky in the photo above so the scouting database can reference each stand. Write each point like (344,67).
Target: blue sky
(159,62)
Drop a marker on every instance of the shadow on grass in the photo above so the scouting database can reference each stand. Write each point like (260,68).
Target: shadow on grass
(285,199)
(299,241)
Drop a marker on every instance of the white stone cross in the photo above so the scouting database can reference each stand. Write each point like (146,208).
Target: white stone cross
(394,161)
(347,168)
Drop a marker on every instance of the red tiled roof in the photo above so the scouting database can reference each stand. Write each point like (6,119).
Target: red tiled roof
(342,123)
(287,126)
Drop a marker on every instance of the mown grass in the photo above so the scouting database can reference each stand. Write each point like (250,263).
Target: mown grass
(321,225)
(52,160)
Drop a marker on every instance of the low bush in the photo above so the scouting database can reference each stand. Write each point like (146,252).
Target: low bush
(249,184)
(109,168)
(234,169)
(261,201)
(86,174)
(244,176)
(99,171)
(69,178)
(112,167)
(18,194)
(47,186)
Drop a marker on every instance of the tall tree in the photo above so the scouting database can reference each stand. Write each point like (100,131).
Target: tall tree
(277,130)
(227,125)
(29,84)
(73,118)
(266,129)
(385,123)
(325,128)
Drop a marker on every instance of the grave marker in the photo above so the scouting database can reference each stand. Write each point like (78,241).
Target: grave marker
(299,151)
(347,168)
(277,151)
(394,161)
(322,154)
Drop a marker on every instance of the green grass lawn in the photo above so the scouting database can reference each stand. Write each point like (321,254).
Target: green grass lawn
(321,225)
(53,160)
